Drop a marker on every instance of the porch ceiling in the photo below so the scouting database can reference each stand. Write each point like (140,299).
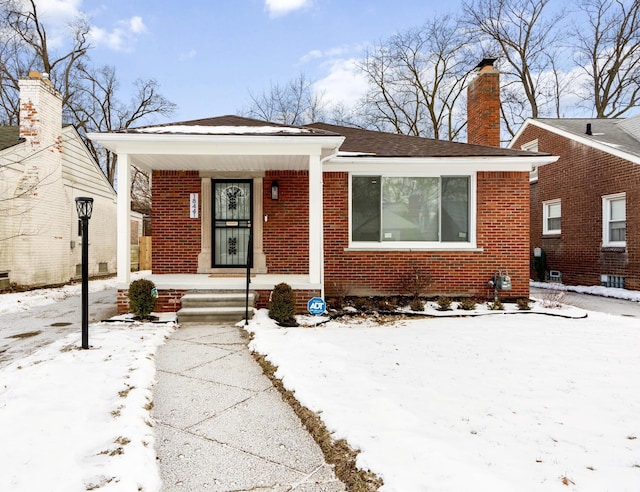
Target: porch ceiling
(220,162)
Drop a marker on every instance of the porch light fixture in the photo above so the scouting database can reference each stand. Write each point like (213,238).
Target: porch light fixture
(275,190)
(84,207)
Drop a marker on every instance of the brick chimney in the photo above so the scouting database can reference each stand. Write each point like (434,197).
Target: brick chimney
(483,106)
(40,111)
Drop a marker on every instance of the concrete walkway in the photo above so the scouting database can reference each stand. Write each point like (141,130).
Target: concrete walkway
(222,426)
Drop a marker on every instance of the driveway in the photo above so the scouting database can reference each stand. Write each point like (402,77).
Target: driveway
(609,305)
(25,331)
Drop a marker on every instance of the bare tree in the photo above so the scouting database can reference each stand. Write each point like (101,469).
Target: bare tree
(526,39)
(293,103)
(416,78)
(89,95)
(608,49)
(27,36)
(97,108)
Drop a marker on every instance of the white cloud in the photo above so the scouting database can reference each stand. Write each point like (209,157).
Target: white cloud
(189,55)
(344,83)
(136,24)
(121,37)
(337,51)
(57,15)
(277,8)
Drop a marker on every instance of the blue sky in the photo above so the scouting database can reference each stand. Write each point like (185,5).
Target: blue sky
(208,55)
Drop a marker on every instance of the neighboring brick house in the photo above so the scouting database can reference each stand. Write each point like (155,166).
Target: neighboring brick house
(44,166)
(585,208)
(332,210)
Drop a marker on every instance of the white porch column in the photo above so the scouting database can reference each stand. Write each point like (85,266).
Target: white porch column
(124,221)
(204,258)
(315,220)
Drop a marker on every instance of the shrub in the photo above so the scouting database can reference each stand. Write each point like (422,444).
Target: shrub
(444,303)
(417,304)
(363,304)
(415,283)
(524,304)
(142,297)
(282,305)
(496,305)
(467,304)
(387,304)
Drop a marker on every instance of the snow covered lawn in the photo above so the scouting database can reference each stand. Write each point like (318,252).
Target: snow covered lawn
(502,402)
(75,420)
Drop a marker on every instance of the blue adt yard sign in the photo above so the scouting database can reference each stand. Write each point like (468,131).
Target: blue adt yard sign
(316,306)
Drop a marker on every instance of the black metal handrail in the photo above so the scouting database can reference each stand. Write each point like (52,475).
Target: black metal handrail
(249,256)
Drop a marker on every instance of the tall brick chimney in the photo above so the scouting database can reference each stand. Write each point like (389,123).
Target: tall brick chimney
(40,111)
(483,106)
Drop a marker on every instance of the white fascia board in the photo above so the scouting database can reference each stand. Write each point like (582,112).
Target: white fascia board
(519,132)
(609,149)
(436,165)
(181,144)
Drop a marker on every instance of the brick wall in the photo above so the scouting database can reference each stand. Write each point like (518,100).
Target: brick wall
(580,177)
(502,230)
(483,108)
(286,234)
(168,301)
(176,236)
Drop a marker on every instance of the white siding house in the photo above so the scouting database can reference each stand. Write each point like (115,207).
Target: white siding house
(43,168)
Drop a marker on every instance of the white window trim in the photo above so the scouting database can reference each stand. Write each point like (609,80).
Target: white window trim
(420,245)
(606,213)
(532,147)
(545,216)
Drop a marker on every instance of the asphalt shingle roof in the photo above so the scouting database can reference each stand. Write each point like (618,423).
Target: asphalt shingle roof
(357,141)
(617,133)
(9,136)
(383,144)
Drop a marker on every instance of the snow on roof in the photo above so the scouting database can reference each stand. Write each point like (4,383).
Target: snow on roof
(221,130)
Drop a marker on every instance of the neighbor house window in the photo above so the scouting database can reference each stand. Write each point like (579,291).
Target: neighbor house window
(614,220)
(551,217)
(391,209)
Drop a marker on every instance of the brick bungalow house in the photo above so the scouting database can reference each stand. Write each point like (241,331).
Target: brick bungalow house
(44,166)
(585,208)
(331,209)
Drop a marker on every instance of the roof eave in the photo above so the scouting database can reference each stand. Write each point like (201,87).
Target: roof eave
(137,143)
(475,163)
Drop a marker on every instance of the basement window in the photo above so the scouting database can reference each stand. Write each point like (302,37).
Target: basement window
(616,281)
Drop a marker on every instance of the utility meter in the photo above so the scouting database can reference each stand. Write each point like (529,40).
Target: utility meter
(504,282)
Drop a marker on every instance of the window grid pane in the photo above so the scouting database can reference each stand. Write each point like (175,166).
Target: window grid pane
(410,209)
(554,224)
(365,208)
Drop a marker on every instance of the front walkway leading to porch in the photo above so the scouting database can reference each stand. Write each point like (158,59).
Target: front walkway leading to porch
(221,425)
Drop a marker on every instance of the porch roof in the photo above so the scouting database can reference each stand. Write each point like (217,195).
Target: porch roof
(226,143)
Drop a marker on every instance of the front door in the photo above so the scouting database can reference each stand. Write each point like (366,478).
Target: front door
(232,212)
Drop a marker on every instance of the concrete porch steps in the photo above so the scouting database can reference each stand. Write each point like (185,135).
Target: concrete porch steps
(214,307)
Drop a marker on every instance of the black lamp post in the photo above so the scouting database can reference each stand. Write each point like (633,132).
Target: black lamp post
(84,206)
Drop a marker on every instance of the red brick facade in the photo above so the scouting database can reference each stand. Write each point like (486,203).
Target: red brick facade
(285,233)
(176,237)
(502,233)
(580,178)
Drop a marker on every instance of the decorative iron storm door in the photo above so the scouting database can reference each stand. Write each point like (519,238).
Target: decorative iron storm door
(232,213)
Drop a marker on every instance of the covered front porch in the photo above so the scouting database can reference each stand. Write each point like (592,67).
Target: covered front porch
(190,163)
